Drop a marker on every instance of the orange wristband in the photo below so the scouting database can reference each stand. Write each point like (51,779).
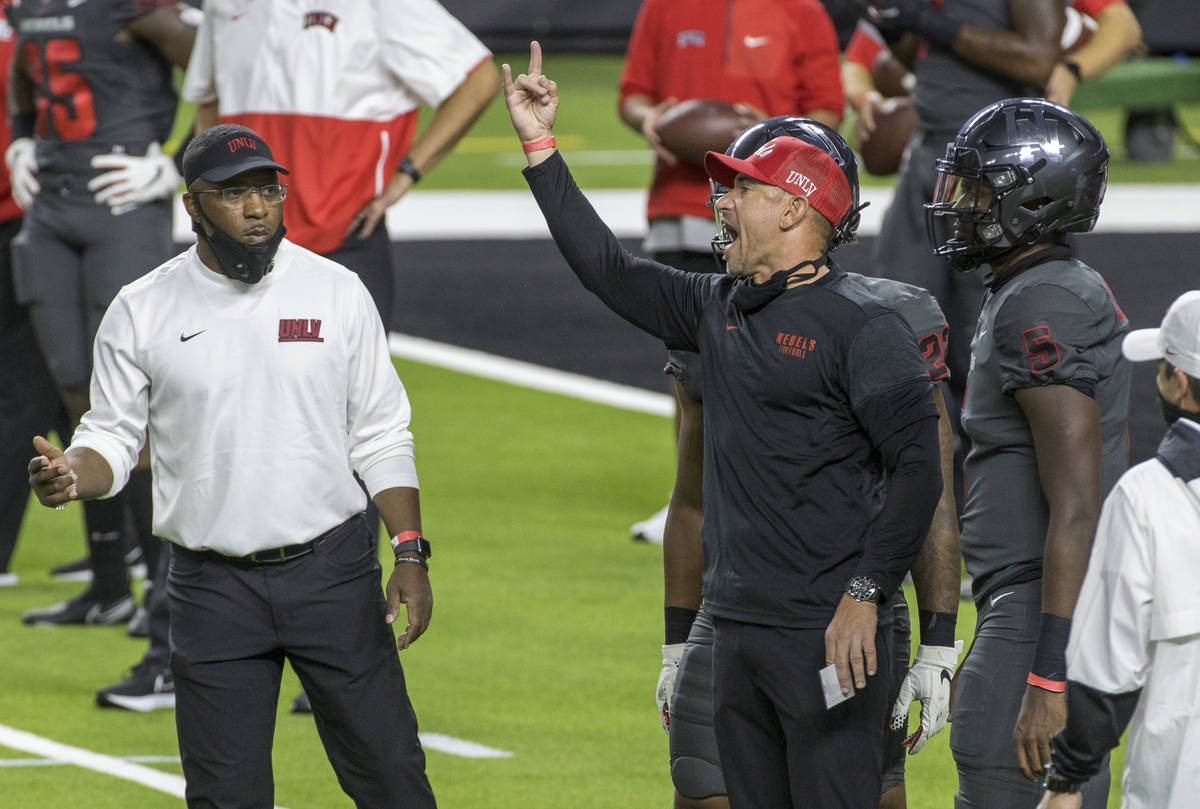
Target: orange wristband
(536,145)
(1053,686)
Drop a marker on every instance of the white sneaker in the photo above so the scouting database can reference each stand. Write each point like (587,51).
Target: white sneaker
(651,529)
(8,579)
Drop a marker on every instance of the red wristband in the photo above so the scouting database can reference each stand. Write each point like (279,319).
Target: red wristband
(1053,686)
(537,145)
(405,536)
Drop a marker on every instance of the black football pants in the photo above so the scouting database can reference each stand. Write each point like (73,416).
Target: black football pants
(232,626)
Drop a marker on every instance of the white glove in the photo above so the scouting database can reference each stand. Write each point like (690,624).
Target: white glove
(666,682)
(929,682)
(21,158)
(133,180)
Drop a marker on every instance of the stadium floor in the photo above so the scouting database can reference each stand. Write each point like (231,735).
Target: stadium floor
(517,299)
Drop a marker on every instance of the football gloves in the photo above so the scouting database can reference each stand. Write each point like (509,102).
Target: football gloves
(132,180)
(666,682)
(22,171)
(929,682)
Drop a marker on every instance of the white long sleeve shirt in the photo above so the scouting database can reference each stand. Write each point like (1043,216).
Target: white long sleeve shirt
(260,400)
(1137,626)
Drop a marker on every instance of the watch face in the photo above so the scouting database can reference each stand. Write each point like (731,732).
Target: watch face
(862,588)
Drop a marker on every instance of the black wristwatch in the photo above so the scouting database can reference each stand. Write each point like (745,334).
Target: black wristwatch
(419,545)
(864,588)
(406,166)
(1056,782)
(1074,69)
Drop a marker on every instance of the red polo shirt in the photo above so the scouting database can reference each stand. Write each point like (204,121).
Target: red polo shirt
(779,55)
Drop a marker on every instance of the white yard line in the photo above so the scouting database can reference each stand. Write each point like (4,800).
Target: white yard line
(460,747)
(528,375)
(90,760)
(53,754)
(57,762)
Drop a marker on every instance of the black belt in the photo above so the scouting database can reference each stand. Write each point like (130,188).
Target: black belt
(271,556)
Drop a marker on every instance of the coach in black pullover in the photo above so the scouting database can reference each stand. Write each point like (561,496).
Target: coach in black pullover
(813,390)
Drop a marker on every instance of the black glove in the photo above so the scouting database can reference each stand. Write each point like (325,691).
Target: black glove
(895,17)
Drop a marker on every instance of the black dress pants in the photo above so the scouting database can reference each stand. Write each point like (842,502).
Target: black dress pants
(780,747)
(232,626)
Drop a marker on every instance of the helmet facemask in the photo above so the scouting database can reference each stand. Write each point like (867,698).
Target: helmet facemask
(963,219)
(723,238)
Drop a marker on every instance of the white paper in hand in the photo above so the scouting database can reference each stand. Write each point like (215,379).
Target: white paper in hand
(832,688)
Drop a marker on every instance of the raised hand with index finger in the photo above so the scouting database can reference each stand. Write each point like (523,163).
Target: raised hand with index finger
(532,101)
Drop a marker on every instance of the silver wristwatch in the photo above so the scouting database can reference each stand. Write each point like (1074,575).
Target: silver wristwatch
(864,588)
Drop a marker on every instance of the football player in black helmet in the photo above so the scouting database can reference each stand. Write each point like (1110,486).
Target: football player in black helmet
(1020,172)
(1045,411)
(695,763)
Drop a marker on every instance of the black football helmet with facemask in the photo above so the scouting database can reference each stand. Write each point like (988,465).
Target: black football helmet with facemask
(1020,170)
(813,133)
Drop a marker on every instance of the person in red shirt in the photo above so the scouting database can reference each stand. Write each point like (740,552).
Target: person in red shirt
(766,56)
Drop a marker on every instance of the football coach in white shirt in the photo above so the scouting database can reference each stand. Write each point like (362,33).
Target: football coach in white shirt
(262,374)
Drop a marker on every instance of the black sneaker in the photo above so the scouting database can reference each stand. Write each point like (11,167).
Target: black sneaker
(84,609)
(301,704)
(147,688)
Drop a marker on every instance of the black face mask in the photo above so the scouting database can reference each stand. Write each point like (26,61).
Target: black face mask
(242,262)
(1171,412)
(750,297)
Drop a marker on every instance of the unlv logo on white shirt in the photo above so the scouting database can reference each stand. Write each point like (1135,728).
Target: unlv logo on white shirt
(322,18)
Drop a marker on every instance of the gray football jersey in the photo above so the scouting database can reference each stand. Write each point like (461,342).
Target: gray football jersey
(1055,323)
(96,87)
(950,90)
(921,312)
(924,317)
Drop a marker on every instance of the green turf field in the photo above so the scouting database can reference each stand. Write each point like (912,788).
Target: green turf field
(489,156)
(544,643)
(547,621)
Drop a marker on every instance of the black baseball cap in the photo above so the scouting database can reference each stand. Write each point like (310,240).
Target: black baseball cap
(226,151)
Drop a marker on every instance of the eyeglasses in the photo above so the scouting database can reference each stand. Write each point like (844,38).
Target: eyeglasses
(272,194)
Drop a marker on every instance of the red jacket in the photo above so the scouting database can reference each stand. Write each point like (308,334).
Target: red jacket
(779,55)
